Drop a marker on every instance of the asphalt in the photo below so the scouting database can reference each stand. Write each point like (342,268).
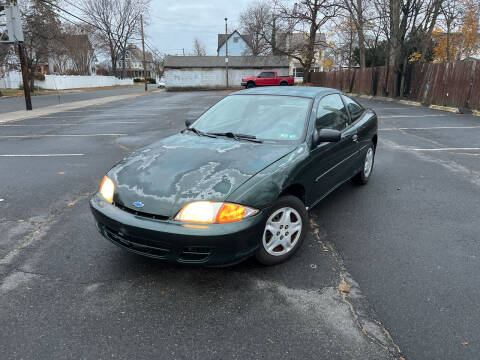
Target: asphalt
(18,103)
(407,244)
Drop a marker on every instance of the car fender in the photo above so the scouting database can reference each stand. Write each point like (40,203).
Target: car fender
(263,189)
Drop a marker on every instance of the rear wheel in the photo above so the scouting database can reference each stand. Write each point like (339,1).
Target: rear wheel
(284,231)
(364,175)
(283,83)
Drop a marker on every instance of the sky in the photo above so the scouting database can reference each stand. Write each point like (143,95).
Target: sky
(175,24)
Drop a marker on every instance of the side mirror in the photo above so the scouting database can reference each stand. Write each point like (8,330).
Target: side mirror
(326,135)
(189,122)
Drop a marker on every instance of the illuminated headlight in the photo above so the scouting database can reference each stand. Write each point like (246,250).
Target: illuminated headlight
(107,188)
(209,212)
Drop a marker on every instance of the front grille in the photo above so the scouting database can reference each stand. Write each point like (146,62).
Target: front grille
(140,213)
(135,244)
(194,254)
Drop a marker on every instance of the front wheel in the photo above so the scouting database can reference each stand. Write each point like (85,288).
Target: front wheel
(284,231)
(250,85)
(364,175)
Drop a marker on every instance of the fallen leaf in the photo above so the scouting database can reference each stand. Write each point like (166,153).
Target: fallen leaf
(61,173)
(28,288)
(398,188)
(364,331)
(19,221)
(36,232)
(162,292)
(71,204)
(464,343)
(271,341)
(2,200)
(378,322)
(344,287)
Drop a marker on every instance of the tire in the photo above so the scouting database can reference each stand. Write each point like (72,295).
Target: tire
(283,83)
(250,85)
(364,175)
(277,229)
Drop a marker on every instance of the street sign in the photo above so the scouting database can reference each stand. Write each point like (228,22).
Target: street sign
(226,59)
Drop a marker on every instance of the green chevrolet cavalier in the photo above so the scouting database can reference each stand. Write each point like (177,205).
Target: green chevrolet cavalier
(239,180)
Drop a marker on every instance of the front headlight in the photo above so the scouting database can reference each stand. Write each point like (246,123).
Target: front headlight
(210,212)
(107,188)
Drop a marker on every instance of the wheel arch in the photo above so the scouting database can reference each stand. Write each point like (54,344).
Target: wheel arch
(297,190)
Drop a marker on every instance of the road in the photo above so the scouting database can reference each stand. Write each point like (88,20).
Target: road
(407,243)
(18,103)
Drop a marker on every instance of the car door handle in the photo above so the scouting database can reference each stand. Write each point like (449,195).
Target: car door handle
(355,137)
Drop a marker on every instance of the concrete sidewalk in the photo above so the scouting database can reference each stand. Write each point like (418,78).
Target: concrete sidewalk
(44,111)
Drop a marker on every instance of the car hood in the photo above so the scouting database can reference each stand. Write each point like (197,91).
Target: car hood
(174,171)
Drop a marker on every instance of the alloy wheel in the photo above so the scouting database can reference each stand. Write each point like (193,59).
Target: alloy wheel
(282,231)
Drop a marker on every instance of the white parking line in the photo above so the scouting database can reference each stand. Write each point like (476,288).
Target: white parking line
(447,149)
(77,124)
(432,128)
(59,135)
(409,116)
(39,155)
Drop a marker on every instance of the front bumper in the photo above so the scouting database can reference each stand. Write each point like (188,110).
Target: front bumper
(172,241)
(243,83)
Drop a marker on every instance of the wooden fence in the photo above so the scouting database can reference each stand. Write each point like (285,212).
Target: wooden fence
(450,84)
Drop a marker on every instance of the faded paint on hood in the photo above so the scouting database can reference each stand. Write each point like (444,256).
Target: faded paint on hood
(185,167)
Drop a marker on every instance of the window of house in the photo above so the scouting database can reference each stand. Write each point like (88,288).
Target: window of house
(298,72)
(236,39)
(331,113)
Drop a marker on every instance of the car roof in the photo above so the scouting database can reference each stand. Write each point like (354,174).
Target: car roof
(304,91)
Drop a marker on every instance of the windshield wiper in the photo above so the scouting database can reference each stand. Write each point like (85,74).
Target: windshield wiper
(199,133)
(232,135)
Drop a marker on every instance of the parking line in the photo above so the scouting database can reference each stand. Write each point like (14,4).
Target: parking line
(447,149)
(432,128)
(409,116)
(60,135)
(39,155)
(77,124)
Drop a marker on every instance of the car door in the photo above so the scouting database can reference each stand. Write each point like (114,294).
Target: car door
(361,124)
(332,161)
(268,78)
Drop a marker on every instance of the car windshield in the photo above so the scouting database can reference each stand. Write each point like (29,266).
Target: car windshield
(266,117)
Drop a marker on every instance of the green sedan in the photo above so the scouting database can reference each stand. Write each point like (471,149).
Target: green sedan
(239,180)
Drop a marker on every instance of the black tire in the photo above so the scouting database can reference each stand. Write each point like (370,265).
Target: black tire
(284,83)
(363,176)
(284,202)
(250,85)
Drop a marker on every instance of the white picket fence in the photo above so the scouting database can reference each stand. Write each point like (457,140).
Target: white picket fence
(13,80)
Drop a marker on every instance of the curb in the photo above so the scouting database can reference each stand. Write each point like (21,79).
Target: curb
(444,108)
(475,112)
(48,110)
(411,103)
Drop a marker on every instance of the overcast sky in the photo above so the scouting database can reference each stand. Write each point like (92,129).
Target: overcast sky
(175,23)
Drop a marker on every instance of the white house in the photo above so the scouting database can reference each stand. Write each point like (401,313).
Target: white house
(238,45)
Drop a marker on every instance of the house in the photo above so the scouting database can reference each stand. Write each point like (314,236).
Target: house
(210,71)
(134,63)
(238,45)
(298,42)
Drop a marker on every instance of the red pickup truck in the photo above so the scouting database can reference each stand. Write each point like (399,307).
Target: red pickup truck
(267,78)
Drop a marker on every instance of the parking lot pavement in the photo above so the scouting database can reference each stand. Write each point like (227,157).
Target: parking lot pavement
(407,243)
(68,293)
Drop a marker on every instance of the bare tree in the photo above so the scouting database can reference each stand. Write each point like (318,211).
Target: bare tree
(451,10)
(310,15)
(355,9)
(116,23)
(257,22)
(41,27)
(199,48)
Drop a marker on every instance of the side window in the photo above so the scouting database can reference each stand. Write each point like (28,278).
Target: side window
(331,113)
(354,108)
(268,75)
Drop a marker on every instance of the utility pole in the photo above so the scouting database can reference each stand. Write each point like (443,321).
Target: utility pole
(226,50)
(143,51)
(183,51)
(15,36)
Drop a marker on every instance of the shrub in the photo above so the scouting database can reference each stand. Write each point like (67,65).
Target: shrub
(137,80)
(151,81)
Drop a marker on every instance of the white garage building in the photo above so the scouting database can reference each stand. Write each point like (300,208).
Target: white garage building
(210,71)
